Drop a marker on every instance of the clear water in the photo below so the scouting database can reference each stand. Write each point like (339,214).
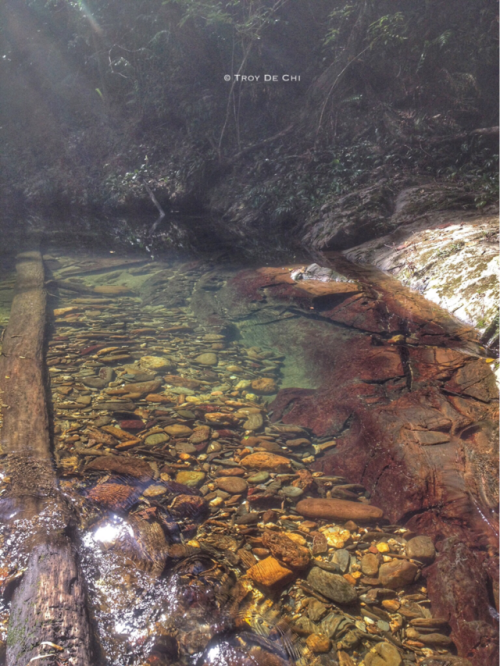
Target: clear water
(173,563)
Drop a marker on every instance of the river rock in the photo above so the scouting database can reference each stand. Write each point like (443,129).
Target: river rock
(269,573)
(232,484)
(421,548)
(221,418)
(335,509)
(185,447)
(190,479)
(143,387)
(254,422)
(397,573)
(261,477)
(316,610)
(177,380)
(332,586)
(178,430)
(287,551)
(155,491)
(113,495)
(320,544)
(128,466)
(111,290)
(107,374)
(342,558)
(295,443)
(318,643)
(116,406)
(230,471)
(155,363)
(267,461)
(264,385)
(188,506)
(383,654)
(156,438)
(370,564)
(208,358)
(200,435)
(94,382)
(292,491)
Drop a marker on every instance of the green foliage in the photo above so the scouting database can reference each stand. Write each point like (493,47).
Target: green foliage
(388,31)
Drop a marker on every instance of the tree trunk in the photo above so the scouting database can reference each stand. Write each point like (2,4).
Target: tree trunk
(49,605)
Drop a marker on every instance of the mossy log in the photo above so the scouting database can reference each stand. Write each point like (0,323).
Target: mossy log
(49,605)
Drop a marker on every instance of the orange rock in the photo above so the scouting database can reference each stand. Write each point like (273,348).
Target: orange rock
(397,573)
(287,551)
(264,385)
(127,444)
(350,579)
(118,433)
(157,397)
(59,312)
(345,659)
(266,461)
(336,509)
(112,495)
(269,573)
(221,418)
(391,605)
(318,643)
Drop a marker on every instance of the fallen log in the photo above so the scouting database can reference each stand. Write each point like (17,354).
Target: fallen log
(49,605)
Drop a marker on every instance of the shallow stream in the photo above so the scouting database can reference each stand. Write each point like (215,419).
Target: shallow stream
(196,514)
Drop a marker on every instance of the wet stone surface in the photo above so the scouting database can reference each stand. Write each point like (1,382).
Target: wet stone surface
(206,539)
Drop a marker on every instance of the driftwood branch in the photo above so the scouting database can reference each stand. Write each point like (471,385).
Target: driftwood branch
(160,210)
(50,602)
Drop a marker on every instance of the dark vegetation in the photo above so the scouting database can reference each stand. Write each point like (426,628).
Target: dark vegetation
(101,98)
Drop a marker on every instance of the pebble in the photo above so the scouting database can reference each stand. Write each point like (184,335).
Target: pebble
(332,586)
(342,558)
(316,610)
(200,434)
(318,643)
(254,422)
(154,491)
(190,479)
(94,382)
(369,564)
(397,573)
(142,387)
(208,358)
(232,484)
(130,466)
(421,548)
(264,385)
(292,491)
(336,509)
(269,573)
(267,461)
(155,363)
(261,477)
(291,554)
(178,430)
(383,654)
(112,406)
(157,438)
